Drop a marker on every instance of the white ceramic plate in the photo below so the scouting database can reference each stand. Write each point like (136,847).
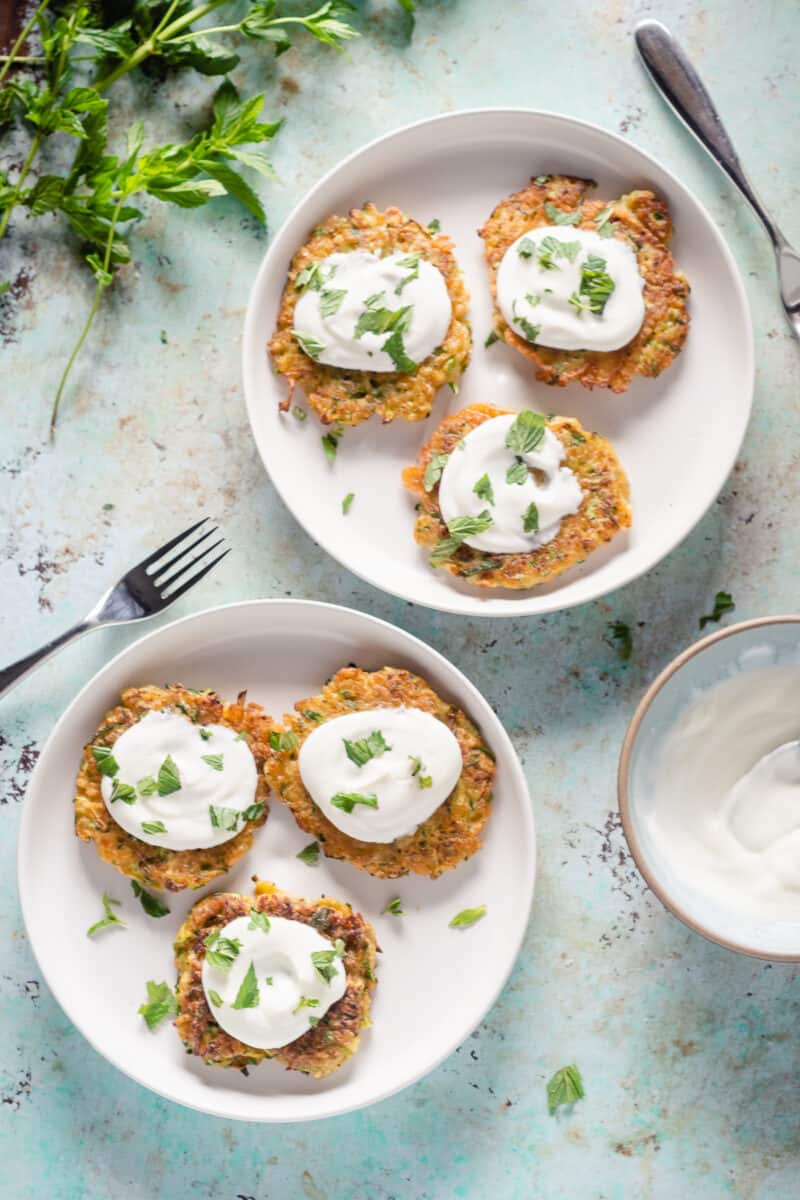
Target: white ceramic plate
(677,436)
(281,651)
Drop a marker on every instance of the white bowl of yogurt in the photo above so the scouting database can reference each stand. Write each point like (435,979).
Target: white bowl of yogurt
(709,787)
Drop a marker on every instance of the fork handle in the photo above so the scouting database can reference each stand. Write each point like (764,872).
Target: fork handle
(682,88)
(11,675)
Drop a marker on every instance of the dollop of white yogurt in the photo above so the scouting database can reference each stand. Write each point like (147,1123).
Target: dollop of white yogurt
(546,298)
(553,490)
(724,809)
(180,785)
(399,786)
(361,312)
(272,992)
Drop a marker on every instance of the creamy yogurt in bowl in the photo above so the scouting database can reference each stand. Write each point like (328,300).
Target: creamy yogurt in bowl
(709,787)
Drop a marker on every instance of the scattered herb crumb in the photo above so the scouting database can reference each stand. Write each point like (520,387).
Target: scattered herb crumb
(394,908)
(348,500)
(309,854)
(723,602)
(565,1087)
(467,917)
(622,638)
(108,920)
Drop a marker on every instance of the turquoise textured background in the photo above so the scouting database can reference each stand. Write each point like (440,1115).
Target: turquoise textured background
(689,1053)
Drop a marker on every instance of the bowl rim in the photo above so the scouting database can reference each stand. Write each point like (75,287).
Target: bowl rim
(623,797)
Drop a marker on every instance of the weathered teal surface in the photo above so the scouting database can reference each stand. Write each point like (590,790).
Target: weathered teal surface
(689,1053)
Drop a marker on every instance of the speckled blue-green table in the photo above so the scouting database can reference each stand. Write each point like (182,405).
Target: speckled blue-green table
(689,1053)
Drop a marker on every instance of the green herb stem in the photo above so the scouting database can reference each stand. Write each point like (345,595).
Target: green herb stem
(98,296)
(164,33)
(13,56)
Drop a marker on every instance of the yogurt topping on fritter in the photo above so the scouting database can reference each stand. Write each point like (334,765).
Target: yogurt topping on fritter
(571,289)
(268,980)
(378,774)
(503,489)
(179,785)
(361,312)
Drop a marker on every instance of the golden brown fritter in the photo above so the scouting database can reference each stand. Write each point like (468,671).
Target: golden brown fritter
(349,397)
(450,835)
(155,866)
(605,508)
(334,1039)
(641,220)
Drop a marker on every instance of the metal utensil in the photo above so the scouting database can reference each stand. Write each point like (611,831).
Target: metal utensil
(682,88)
(147,589)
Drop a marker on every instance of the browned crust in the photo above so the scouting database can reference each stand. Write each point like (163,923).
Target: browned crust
(449,836)
(643,221)
(325,1047)
(349,397)
(155,866)
(604,511)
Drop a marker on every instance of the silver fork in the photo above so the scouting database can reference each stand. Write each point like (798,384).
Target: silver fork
(142,592)
(684,91)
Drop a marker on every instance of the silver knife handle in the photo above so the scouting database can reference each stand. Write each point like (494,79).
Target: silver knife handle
(682,87)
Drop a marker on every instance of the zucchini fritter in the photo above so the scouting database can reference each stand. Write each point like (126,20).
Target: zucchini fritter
(328,1044)
(156,866)
(605,508)
(347,396)
(450,835)
(643,221)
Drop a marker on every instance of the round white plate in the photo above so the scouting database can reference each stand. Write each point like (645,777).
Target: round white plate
(424,1004)
(677,436)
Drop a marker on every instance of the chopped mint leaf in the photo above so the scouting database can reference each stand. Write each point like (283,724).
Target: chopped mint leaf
(153,827)
(252,812)
(395,348)
(169,778)
(258,920)
(306,1002)
(122,791)
(247,995)
(491,338)
(205,734)
(596,285)
(483,489)
(362,751)
(110,917)
(223,818)
(299,413)
(161,1003)
(559,217)
(215,998)
(565,1087)
(602,223)
(382,320)
(215,761)
(287,740)
(323,960)
(527,432)
(347,801)
(348,500)
(518,473)
(394,908)
(310,278)
(529,330)
(411,263)
(331,301)
(530,522)
(526,248)
(435,225)
(433,471)
(467,917)
(106,763)
(723,602)
(309,854)
(309,344)
(152,905)
(459,529)
(541,180)
(221,951)
(147,786)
